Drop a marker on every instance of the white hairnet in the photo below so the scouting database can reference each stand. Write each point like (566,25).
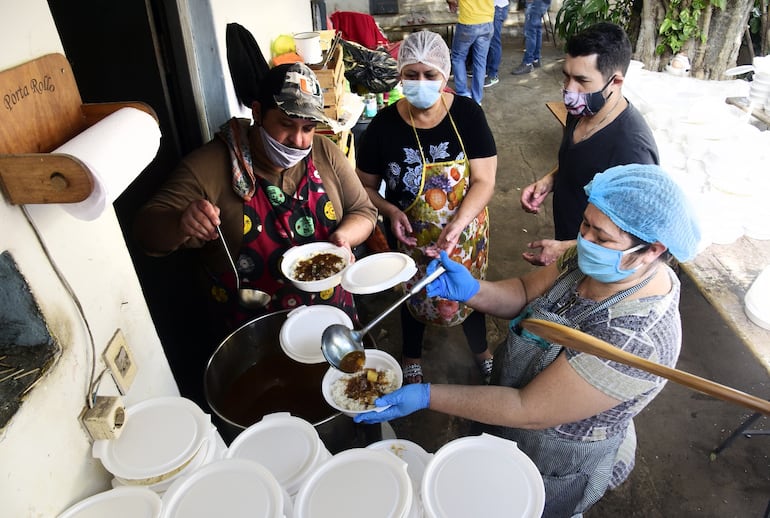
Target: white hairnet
(425,47)
(644,201)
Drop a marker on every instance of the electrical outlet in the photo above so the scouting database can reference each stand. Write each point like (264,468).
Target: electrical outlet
(120,361)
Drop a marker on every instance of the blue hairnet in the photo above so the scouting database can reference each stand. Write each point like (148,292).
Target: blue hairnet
(644,201)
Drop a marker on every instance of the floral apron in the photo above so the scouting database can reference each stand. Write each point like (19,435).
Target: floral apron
(273,222)
(442,188)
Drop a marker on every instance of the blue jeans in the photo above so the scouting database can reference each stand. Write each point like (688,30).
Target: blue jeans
(533,29)
(474,40)
(496,46)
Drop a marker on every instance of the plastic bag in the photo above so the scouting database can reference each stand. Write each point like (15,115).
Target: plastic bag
(375,70)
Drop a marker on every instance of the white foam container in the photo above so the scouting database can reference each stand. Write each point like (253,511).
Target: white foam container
(482,476)
(123,502)
(357,483)
(757,300)
(213,448)
(231,488)
(286,445)
(375,359)
(162,439)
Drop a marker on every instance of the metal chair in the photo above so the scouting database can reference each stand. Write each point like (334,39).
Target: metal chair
(744,430)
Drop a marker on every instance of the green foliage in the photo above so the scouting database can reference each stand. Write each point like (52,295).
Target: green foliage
(680,25)
(576,15)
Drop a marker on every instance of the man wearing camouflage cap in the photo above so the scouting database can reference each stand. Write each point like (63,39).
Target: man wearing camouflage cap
(271,184)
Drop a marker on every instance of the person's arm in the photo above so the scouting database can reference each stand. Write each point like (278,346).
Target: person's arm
(482,187)
(503,299)
(533,195)
(555,396)
(399,222)
(178,214)
(162,230)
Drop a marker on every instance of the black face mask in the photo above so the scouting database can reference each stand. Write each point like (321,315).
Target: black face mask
(582,104)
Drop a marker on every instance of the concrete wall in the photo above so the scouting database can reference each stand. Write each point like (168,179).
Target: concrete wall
(45,453)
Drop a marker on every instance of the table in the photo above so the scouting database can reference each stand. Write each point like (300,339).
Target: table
(447,28)
(558,110)
(756,111)
(724,273)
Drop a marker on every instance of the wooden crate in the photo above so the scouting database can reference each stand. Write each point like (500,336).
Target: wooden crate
(332,95)
(329,77)
(331,111)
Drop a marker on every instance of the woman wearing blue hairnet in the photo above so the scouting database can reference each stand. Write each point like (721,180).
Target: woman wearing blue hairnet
(571,412)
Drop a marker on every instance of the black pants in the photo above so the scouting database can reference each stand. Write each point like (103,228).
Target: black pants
(412,331)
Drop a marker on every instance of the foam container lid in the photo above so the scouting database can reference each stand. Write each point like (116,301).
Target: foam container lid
(122,502)
(300,335)
(286,445)
(378,272)
(232,488)
(355,483)
(160,435)
(412,453)
(466,468)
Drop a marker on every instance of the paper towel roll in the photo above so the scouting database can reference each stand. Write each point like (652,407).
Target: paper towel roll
(115,149)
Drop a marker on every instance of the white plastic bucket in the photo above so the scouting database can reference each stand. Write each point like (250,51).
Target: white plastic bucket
(286,445)
(308,45)
(463,470)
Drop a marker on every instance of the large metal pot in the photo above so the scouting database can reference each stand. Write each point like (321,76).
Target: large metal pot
(249,376)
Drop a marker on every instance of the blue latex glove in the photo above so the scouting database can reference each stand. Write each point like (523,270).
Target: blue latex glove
(404,401)
(456,284)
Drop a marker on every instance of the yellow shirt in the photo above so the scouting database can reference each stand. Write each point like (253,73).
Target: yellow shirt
(473,12)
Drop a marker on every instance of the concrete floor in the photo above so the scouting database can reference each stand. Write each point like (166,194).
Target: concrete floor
(674,475)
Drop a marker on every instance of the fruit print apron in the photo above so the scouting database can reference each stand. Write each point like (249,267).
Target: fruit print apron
(442,188)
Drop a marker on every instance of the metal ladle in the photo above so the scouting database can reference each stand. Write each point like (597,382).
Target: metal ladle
(249,298)
(343,348)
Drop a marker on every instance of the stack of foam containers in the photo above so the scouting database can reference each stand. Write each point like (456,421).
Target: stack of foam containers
(716,152)
(759,94)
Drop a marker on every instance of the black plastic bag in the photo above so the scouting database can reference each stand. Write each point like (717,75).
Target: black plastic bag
(375,70)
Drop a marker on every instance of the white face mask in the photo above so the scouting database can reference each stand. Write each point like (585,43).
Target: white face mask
(280,155)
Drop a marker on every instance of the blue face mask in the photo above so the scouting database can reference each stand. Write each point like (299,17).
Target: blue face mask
(421,94)
(600,263)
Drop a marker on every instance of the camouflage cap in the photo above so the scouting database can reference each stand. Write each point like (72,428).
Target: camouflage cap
(300,94)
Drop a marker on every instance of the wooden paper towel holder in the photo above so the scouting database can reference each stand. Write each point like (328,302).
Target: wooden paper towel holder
(41,110)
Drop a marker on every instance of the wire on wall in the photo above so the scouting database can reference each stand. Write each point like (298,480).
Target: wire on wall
(93,382)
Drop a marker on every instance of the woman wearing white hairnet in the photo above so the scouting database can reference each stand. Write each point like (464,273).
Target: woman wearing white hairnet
(571,412)
(436,154)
